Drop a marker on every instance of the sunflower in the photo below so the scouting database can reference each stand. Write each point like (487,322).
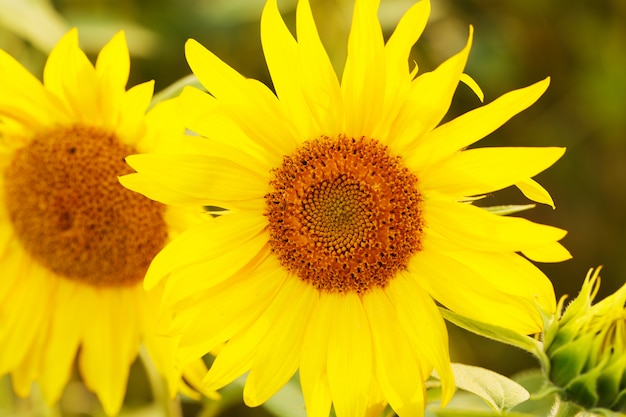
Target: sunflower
(74,243)
(347,216)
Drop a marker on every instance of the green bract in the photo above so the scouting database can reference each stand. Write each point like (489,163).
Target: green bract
(587,349)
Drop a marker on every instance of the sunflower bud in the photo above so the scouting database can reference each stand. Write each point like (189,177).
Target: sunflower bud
(586,347)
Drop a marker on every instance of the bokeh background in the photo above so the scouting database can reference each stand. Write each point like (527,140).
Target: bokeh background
(580,44)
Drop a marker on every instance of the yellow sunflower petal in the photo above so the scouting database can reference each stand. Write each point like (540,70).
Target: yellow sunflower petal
(199,176)
(469,287)
(112,70)
(72,78)
(65,335)
(104,368)
(238,355)
(553,252)
(534,191)
(475,228)
(192,279)
(318,78)
(23,98)
(472,126)
(420,319)
(397,51)
(130,125)
(113,63)
(255,292)
(397,366)
(363,85)
(313,361)
(19,331)
(484,170)
(277,359)
(430,97)
(258,111)
(226,232)
(281,54)
(203,115)
(349,355)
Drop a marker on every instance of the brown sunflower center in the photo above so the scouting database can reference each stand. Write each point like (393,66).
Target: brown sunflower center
(344,215)
(71,214)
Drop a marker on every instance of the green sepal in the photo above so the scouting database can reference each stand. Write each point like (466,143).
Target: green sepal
(568,360)
(509,209)
(496,333)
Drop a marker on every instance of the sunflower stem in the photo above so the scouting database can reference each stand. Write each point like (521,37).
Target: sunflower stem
(171,407)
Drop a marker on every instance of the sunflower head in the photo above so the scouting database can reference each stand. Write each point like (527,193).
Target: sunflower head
(347,214)
(74,243)
(587,349)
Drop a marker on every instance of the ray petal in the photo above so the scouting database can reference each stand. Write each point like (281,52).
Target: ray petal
(428,102)
(248,102)
(204,242)
(277,359)
(474,125)
(281,53)
(424,326)
(475,228)
(485,170)
(397,367)
(349,355)
(200,176)
(364,74)
(319,80)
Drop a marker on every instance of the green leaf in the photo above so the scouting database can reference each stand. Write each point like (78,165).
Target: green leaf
(34,20)
(497,333)
(508,209)
(174,89)
(500,392)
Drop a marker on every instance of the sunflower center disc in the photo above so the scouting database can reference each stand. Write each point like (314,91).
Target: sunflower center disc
(344,215)
(71,214)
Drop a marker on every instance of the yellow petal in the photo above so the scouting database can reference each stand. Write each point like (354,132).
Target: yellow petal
(430,97)
(283,61)
(472,126)
(113,62)
(397,366)
(253,292)
(247,102)
(201,176)
(475,228)
(67,320)
(318,78)
(397,51)
(72,78)
(363,84)
(534,191)
(204,242)
(112,70)
(553,252)
(471,284)
(111,342)
(485,170)
(421,321)
(349,355)
(313,360)
(277,358)
(203,114)
(24,99)
(130,124)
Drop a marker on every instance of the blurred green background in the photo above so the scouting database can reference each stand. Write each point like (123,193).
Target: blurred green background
(581,44)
